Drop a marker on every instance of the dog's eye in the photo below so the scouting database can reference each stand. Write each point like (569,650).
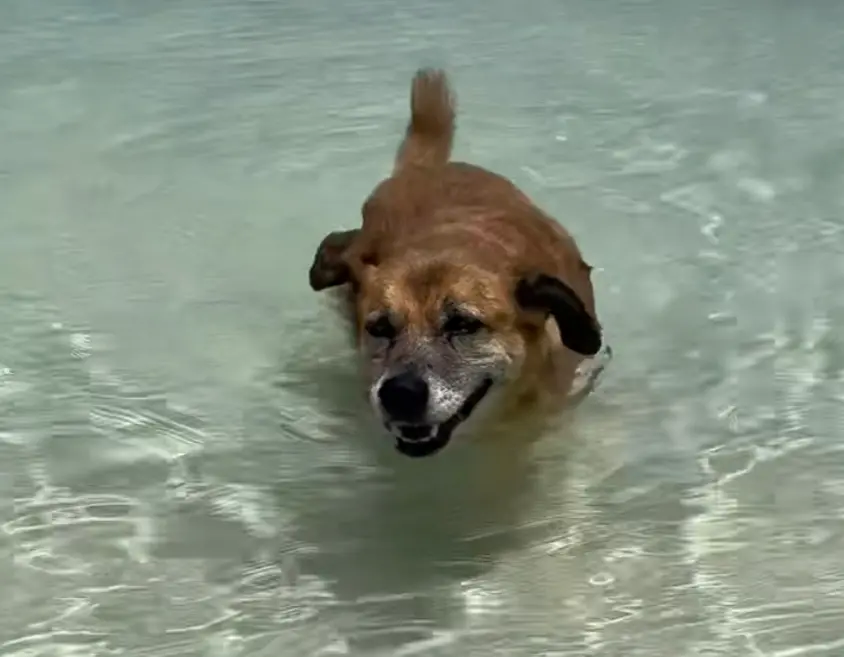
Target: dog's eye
(381,328)
(462,325)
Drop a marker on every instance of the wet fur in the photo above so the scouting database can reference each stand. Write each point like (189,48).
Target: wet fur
(438,232)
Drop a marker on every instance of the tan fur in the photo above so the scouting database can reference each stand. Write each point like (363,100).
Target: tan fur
(439,229)
(430,132)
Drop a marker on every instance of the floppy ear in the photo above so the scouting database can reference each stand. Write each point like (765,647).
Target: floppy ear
(579,331)
(331,267)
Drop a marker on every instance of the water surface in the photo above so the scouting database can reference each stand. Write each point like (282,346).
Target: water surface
(188,467)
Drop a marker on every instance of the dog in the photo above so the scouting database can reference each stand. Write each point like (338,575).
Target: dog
(464,298)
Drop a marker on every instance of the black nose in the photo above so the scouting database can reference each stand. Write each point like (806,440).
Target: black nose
(404,397)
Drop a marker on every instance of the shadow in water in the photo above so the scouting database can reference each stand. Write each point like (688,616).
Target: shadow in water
(395,534)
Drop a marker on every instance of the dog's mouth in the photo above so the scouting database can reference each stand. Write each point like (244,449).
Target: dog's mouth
(418,440)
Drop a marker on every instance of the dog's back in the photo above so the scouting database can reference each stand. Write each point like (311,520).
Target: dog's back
(430,198)
(423,159)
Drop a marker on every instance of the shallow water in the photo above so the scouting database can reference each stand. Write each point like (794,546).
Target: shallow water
(187,465)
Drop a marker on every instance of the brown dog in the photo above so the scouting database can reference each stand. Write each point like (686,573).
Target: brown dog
(460,289)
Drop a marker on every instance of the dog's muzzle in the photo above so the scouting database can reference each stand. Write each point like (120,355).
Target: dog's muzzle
(417,440)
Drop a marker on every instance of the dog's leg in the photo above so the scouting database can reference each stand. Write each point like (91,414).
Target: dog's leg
(588,374)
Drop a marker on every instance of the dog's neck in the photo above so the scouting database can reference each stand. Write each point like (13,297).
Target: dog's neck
(546,376)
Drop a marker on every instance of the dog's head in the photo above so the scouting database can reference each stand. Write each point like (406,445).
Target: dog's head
(440,334)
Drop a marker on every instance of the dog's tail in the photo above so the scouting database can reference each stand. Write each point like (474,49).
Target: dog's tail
(430,132)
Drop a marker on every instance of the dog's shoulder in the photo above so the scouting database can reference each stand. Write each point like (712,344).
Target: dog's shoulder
(455,184)
(420,199)
(467,201)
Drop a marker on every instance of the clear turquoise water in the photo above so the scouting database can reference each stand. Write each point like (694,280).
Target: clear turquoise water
(187,465)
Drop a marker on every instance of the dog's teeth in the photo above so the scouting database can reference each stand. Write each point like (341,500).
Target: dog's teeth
(432,434)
